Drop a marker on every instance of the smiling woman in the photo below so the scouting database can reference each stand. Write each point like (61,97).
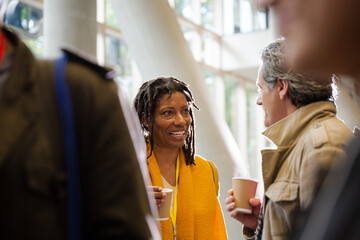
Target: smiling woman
(172,121)
(165,109)
(149,101)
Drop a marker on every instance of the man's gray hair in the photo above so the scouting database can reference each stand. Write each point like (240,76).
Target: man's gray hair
(303,88)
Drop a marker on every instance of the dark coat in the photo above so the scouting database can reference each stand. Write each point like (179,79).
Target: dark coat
(335,213)
(32,164)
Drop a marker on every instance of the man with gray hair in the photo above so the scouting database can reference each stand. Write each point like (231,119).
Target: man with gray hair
(300,116)
(325,35)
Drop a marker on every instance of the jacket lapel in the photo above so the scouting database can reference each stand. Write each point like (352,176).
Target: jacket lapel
(271,163)
(14,120)
(17,102)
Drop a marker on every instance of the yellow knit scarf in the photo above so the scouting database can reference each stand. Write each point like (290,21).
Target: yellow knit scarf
(208,229)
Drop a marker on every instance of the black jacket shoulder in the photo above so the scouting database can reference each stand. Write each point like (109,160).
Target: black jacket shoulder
(89,62)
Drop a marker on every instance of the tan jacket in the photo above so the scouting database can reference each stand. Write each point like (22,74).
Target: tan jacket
(308,142)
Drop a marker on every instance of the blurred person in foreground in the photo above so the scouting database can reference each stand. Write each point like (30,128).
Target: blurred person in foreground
(300,116)
(325,37)
(33,173)
(165,108)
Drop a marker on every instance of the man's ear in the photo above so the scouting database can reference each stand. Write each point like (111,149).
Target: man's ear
(283,87)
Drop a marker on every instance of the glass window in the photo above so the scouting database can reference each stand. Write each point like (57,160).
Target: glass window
(36,45)
(24,18)
(127,85)
(261,21)
(242,16)
(193,39)
(184,8)
(251,95)
(255,141)
(210,80)
(208,14)
(118,56)
(211,51)
(216,89)
(27,21)
(110,18)
(231,104)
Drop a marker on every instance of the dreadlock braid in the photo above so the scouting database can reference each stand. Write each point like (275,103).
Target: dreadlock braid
(145,104)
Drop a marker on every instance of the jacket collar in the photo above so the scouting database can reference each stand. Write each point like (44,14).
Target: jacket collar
(284,135)
(285,132)
(22,67)
(17,102)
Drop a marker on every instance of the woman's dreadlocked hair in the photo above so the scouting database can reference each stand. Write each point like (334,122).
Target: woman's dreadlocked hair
(146,101)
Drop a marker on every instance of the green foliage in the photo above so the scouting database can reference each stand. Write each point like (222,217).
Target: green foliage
(110,17)
(208,14)
(36,46)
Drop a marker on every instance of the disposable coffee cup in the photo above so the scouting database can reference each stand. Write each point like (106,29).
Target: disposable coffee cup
(164,209)
(244,189)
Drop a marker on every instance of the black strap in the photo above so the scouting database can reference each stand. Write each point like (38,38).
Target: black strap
(212,169)
(216,184)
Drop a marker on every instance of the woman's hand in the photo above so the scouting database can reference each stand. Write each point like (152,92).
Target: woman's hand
(249,220)
(159,196)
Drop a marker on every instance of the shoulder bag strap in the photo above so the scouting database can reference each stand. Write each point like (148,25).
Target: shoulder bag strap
(215,177)
(74,220)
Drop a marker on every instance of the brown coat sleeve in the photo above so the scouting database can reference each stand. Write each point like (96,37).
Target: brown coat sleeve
(115,203)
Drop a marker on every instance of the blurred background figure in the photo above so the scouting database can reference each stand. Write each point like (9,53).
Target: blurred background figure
(113,203)
(324,34)
(165,108)
(300,116)
(325,37)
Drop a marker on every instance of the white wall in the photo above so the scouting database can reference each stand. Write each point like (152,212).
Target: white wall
(241,51)
(69,22)
(347,110)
